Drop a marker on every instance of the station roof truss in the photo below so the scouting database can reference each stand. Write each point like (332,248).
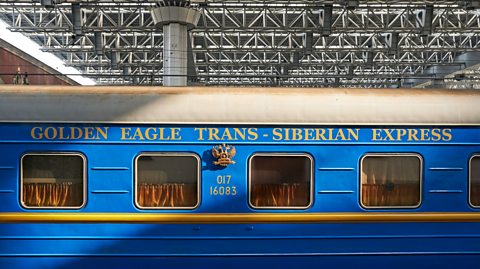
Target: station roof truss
(346,43)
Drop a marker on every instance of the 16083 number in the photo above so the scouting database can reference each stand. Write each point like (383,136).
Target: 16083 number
(223,190)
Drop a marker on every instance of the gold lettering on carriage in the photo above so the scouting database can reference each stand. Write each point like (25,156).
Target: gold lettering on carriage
(241,134)
(315,134)
(69,133)
(227,134)
(151,134)
(411,135)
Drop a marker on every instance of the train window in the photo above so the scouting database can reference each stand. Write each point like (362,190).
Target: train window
(280,181)
(391,180)
(475,181)
(169,180)
(53,180)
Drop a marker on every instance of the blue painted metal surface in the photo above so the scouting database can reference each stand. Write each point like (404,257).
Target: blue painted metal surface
(110,188)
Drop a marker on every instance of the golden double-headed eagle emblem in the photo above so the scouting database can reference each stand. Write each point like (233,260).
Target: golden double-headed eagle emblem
(224,154)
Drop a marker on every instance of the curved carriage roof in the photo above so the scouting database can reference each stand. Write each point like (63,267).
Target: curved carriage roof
(186,105)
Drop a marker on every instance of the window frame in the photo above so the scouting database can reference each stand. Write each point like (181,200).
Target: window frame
(476,155)
(167,154)
(388,154)
(274,154)
(84,179)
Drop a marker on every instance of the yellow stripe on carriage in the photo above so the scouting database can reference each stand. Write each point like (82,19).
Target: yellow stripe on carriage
(204,218)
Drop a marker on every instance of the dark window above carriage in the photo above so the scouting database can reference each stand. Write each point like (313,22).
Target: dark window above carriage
(391,181)
(167,180)
(475,181)
(53,180)
(280,181)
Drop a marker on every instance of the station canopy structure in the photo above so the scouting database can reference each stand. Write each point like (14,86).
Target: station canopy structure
(371,43)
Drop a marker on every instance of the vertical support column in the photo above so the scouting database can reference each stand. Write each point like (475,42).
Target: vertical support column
(176,18)
(77,19)
(175,54)
(327,19)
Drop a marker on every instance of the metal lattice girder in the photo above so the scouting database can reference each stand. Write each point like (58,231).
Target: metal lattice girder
(279,42)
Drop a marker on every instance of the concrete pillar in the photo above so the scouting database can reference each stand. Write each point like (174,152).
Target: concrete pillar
(175,21)
(175,54)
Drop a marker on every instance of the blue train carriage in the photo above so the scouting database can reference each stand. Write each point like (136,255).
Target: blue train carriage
(206,177)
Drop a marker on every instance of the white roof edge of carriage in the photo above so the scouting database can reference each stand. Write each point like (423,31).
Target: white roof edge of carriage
(239,106)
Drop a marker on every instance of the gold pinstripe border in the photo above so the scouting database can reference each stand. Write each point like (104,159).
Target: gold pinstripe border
(186,218)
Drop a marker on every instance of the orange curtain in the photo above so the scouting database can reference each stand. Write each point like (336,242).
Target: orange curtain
(52,194)
(167,195)
(280,195)
(390,195)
